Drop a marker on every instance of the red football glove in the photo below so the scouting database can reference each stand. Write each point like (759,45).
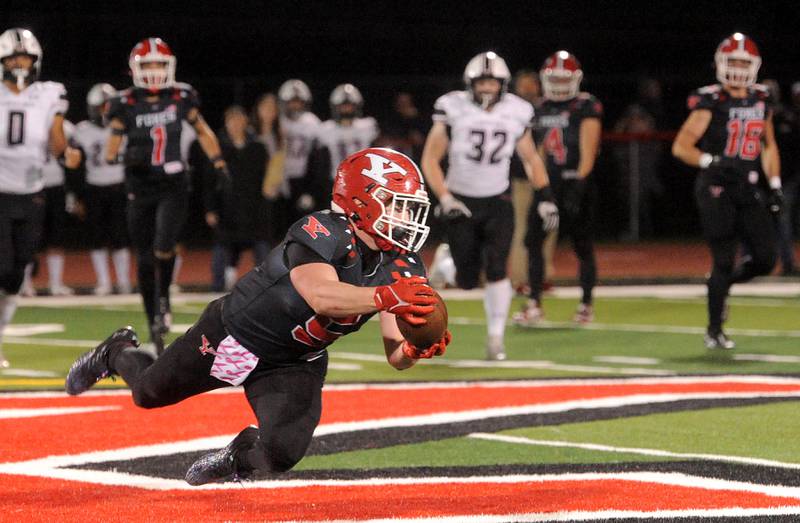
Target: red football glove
(411,298)
(437,349)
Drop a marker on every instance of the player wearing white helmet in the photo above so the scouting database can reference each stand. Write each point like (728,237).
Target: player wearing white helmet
(31,121)
(347,131)
(479,129)
(104,194)
(301,168)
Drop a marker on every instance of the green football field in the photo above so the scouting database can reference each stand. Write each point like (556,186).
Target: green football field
(630,336)
(588,408)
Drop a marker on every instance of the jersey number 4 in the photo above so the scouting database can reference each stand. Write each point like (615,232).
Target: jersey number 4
(744,139)
(554,145)
(16,128)
(478,138)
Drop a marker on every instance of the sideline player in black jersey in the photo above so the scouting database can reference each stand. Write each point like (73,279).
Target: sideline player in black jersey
(567,126)
(333,271)
(729,135)
(150,115)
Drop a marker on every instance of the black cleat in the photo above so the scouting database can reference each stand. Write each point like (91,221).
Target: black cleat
(221,464)
(718,340)
(92,366)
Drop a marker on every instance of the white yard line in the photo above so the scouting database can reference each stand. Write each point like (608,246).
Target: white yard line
(51,411)
(630,450)
(771,358)
(600,515)
(627,360)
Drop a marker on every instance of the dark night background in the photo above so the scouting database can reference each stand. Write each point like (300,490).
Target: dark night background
(232,52)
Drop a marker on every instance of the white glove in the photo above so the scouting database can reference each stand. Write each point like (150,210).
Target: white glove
(450,207)
(548,212)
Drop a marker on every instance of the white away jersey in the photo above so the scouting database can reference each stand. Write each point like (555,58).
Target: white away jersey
(481,142)
(25,122)
(91,139)
(52,170)
(342,141)
(300,135)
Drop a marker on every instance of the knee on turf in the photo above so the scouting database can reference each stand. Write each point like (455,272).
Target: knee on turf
(281,457)
(147,397)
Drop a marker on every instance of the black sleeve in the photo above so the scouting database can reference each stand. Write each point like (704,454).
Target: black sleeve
(116,110)
(296,254)
(320,233)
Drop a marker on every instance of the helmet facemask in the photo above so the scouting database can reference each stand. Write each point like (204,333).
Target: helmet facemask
(154,78)
(737,74)
(402,219)
(561,85)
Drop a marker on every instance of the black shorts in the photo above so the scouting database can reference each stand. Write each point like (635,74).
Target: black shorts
(482,241)
(21,218)
(731,210)
(106,217)
(55,217)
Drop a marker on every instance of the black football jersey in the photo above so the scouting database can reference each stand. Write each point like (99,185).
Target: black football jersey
(268,316)
(557,128)
(154,132)
(737,125)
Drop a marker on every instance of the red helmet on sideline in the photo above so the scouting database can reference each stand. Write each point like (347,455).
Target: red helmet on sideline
(383,193)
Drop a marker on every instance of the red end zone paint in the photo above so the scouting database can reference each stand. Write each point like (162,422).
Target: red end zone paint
(55,500)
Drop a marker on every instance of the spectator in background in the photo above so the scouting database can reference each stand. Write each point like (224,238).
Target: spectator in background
(526,86)
(239,215)
(405,130)
(266,122)
(643,116)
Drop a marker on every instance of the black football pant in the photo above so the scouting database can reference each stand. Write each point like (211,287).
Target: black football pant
(579,227)
(286,400)
(731,214)
(481,241)
(154,223)
(21,217)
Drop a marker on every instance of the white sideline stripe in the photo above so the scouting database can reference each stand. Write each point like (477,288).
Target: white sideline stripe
(31,329)
(344,366)
(51,411)
(630,450)
(28,373)
(627,359)
(772,358)
(668,329)
(749,379)
(41,466)
(602,515)
(512,364)
(116,299)
(781,289)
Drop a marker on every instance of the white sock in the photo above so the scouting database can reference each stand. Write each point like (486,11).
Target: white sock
(55,270)
(100,263)
(122,267)
(27,281)
(231,274)
(176,271)
(8,305)
(496,302)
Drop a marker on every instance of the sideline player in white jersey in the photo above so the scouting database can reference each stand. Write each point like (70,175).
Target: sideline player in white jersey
(347,131)
(104,195)
(480,128)
(60,202)
(31,120)
(300,131)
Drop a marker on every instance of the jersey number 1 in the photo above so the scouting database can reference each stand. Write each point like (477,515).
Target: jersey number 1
(744,139)
(159,136)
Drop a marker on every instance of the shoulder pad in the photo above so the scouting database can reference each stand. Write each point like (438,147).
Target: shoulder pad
(704,97)
(408,264)
(326,233)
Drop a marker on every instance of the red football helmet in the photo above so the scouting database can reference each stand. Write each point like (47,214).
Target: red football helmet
(561,76)
(383,193)
(737,47)
(152,51)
